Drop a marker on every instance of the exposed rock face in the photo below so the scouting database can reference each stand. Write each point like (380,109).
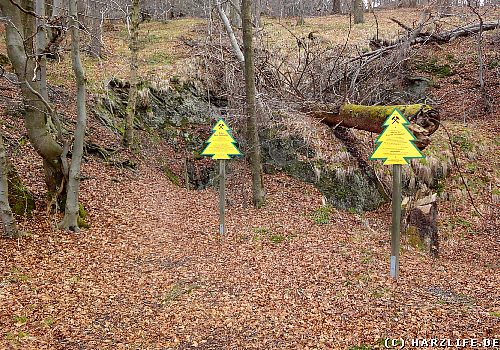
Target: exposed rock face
(160,105)
(422,222)
(182,112)
(348,190)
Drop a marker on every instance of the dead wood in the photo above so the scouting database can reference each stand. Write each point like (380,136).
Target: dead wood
(425,38)
(424,120)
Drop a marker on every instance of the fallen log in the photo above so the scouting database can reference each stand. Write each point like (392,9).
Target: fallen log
(424,120)
(425,38)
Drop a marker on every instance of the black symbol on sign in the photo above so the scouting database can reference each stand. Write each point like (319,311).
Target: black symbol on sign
(395,120)
(221,126)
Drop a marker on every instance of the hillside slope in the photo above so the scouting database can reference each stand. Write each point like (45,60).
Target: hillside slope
(150,272)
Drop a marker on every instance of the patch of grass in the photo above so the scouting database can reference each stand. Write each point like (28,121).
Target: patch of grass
(276,238)
(435,68)
(16,338)
(159,58)
(20,320)
(259,232)
(494,64)
(177,290)
(321,215)
(463,142)
(48,322)
(17,276)
(262,233)
(495,313)
(471,168)
(361,347)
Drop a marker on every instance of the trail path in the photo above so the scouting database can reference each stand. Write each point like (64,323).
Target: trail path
(150,274)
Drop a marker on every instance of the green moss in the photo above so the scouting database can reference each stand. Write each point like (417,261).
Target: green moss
(20,199)
(172,176)
(4,60)
(321,215)
(435,68)
(82,215)
(382,112)
(463,142)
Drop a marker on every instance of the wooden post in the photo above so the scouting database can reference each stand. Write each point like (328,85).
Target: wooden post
(222,196)
(396,219)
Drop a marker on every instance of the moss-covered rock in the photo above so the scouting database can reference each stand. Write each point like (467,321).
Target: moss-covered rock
(20,198)
(4,60)
(82,217)
(352,190)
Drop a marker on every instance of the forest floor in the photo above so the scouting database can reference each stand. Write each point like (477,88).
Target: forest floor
(151,273)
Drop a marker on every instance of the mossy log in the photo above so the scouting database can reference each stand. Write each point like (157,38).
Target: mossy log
(424,120)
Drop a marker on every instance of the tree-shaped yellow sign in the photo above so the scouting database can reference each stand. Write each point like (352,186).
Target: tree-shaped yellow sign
(395,144)
(221,145)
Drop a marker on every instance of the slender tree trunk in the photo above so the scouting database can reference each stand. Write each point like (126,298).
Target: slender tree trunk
(8,220)
(358,11)
(56,8)
(41,43)
(230,32)
(336,8)
(70,220)
(257,11)
(235,15)
(128,136)
(20,31)
(250,90)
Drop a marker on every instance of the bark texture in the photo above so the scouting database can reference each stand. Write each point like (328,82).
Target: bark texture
(254,151)
(424,120)
(71,214)
(128,136)
(358,11)
(8,220)
(20,33)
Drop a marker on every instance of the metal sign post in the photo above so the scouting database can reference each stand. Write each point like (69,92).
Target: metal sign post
(396,219)
(222,195)
(395,146)
(221,146)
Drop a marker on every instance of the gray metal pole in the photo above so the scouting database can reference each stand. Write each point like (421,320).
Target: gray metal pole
(222,195)
(396,219)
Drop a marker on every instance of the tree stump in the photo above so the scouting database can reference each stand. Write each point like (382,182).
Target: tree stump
(422,225)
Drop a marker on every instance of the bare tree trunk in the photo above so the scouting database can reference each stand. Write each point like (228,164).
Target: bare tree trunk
(19,37)
(8,220)
(56,8)
(70,220)
(128,136)
(480,57)
(93,24)
(230,32)
(336,8)
(41,43)
(358,11)
(250,90)
(235,15)
(257,10)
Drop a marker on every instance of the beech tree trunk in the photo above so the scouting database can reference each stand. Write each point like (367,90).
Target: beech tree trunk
(254,152)
(128,136)
(358,11)
(8,220)
(20,33)
(424,120)
(336,8)
(70,220)
(230,32)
